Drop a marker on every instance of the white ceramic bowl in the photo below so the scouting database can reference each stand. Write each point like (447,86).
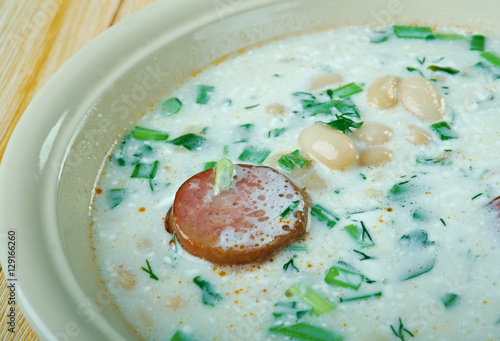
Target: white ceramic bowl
(54,156)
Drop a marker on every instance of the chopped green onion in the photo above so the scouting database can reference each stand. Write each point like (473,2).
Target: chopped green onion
(360,235)
(254,155)
(491,57)
(449,300)
(209,297)
(442,221)
(345,91)
(145,170)
(149,271)
(223,175)
(364,297)
(209,165)
(189,141)
(288,161)
(413,32)
(204,93)
(307,332)
(344,278)
(319,304)
(290,208)
(477,42)
(181,336)
(115,197)
(144,134)
(252,106)
(449,70)
(420,270)
(323,214)
(419,215)
(172,105)
(450,36)
(290,265)
(344,124)
(444,131)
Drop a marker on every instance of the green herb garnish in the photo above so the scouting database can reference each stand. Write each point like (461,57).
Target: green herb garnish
(276,132)
(420,270)
(209,165)
(449,300)
(149,271)
(144,134)
(401,330)
(209,296)
(344,278)
(444,131)
(413,32)
(364,255)
(204,92)
(319,304)
(288,161)
(417,238)
(181,336)
(449,70)
(323,214)
(290,265)
(145,170)
(252,106)
(223,175)
(399,189)
(412,69)
(477,195)
(477,42)
(189,141)
(115,197)
(290,208)
(254,155)
(307,332)
(360,235)
(172,105)
(344,124)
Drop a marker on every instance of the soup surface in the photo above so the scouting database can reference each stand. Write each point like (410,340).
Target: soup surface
(392,132)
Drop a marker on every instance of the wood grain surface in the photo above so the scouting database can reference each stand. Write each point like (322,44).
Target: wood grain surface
(36,38)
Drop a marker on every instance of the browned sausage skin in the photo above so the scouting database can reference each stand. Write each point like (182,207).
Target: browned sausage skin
(262,212)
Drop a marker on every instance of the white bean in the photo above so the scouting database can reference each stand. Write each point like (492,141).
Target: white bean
(382,93)
(373,133)
(323,81)
(375,156)
(275,109)
(328,146)
(418,136)
(422,98)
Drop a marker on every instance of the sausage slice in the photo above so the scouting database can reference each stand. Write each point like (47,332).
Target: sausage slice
(260,213)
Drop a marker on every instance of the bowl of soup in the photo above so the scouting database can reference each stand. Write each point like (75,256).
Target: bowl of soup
(262,170)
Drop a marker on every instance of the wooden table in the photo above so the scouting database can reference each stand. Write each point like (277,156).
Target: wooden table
(36,38)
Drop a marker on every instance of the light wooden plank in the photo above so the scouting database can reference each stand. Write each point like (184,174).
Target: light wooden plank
(36,38)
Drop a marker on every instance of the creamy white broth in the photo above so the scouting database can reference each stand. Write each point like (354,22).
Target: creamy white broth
(463,245)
